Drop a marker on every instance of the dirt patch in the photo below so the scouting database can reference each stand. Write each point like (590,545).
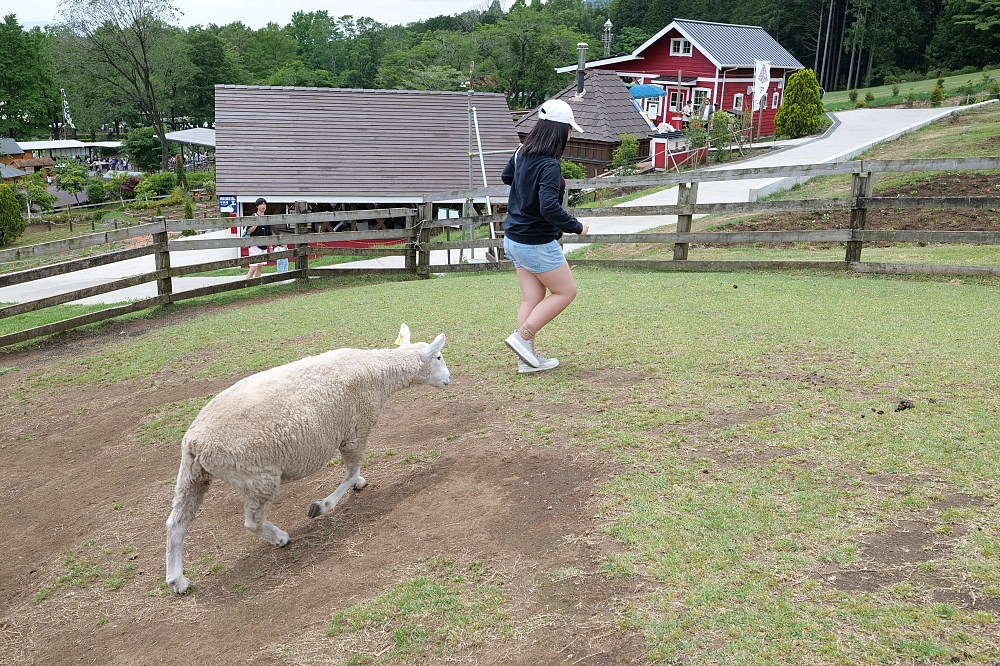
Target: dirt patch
(448,477)
(940,185)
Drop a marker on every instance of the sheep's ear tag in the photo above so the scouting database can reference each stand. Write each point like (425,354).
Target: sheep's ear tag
(404,336)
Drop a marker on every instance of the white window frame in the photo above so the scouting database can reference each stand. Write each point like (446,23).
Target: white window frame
(653,107)
(738,102)
(681,47)
(703,93)
(675,101)
(775,98)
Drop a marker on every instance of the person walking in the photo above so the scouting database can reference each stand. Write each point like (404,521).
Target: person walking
(535,222)
(258,230)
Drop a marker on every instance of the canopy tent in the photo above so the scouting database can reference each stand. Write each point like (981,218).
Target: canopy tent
(646,90)
(197,136)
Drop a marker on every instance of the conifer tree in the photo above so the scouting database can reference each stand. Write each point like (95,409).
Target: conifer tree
(801,109)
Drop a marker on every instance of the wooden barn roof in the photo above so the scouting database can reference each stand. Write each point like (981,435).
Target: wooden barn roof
(283,141)
(605,111)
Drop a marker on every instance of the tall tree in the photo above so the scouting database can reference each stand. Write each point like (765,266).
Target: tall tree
(119,42)
(29,98)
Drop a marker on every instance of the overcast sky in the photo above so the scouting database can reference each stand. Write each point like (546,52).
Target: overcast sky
(257,13)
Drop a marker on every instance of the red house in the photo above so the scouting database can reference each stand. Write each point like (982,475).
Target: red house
(697,62)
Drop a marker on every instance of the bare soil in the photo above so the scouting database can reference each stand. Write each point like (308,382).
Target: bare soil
(450,475)
(939,185)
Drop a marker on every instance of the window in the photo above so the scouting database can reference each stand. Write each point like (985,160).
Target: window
(652,107)
(699,98)
(738,103)
(775,99)
(680,47)
(675,101)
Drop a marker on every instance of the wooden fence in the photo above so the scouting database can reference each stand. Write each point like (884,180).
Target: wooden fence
(416,241)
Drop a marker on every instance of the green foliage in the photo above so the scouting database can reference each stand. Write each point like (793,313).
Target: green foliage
(34,191)
(161,183)
(572,170)
(71,177)
(97,192)
(11,223)
(29,95)
(188,211)
(895,90)
(853,95)
(800,113)
(179,175)
(143,147)
(869,97)
(720,135)
(860,104)
(624,157)
(937,95)
(910,98)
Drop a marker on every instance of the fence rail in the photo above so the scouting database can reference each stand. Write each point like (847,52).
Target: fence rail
(415,242)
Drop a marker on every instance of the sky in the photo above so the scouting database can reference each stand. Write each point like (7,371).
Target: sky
(257,13)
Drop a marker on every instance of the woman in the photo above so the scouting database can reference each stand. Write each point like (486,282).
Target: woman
(258,230)
(535,221)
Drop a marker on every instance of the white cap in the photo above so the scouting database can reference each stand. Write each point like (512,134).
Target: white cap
(558,111)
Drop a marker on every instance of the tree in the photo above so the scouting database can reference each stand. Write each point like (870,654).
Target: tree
(937,94)
(28,93)
(625,155)
(801,110)
(71,178)
(180,176)
(35,192)
(11,223)
(121,42)
(143,147)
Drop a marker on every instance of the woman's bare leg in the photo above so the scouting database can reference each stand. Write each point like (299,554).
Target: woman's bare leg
(536,309)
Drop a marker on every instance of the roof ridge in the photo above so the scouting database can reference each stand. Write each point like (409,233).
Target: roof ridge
(728,25)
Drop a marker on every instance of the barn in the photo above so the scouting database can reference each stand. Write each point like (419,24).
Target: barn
(698,62)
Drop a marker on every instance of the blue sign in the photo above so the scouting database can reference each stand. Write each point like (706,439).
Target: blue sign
(227,204)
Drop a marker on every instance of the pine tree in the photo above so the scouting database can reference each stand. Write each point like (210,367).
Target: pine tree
(11,222)
(800,112)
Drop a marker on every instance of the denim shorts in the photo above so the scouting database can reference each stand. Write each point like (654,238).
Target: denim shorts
(534,258)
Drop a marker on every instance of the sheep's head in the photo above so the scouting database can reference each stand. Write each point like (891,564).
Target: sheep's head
(433,369)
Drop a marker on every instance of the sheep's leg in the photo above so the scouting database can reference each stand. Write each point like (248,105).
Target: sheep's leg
(352,461)
(192,483)
(256,503)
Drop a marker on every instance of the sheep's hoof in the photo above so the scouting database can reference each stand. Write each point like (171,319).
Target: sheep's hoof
(360,483)
(315,509)
(181,585)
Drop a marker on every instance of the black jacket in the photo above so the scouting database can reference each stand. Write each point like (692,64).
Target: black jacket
(535,215)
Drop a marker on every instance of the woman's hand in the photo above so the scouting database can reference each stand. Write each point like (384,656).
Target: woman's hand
(586,228)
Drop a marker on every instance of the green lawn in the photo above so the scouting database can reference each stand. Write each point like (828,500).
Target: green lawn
(953,85)
(762,458)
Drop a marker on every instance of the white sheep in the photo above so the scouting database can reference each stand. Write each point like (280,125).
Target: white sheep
(284,424)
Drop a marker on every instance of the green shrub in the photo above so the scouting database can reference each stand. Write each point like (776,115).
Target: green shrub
(940,82)
(188,211)
(161,183)
(11,222)
(986,73)
(572,170)
(895,90)
(720,135)
(994,89)
(869,97)
(210,188)
(179,174)
(143,146)
(853,95)
(860,104)
(625,155)
(800,112)
(937,95)
(96,191)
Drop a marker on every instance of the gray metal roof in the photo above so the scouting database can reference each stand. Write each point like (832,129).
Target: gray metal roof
(10,172)
(284,141)
(10,147)
(196,136)
(731,45)
(605,111)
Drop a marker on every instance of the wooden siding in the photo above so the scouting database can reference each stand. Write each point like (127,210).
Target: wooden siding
(303,142)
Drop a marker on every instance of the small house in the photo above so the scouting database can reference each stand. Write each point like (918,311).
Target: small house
(605,110)
(9,150)
(699,62)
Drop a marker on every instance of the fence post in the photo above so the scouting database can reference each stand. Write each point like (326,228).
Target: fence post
(410,258)
(423,240)
(302,249)
(687,193)
(164,286)
(862,185)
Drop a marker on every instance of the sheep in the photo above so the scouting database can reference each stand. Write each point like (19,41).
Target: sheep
(284,424)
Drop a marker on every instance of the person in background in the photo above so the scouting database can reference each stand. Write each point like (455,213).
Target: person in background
(535,221)
(258,230)
(707,109)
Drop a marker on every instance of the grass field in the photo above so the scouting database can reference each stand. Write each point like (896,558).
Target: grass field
(767,471)
(953,85)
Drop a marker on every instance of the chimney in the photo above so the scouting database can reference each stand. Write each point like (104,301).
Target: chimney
(581,67)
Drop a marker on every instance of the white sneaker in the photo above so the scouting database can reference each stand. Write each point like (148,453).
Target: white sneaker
(543,364)
(522,348)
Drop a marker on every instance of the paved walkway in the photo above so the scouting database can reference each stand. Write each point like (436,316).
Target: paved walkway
(856,132)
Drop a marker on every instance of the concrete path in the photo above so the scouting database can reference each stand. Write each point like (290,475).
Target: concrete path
(854,133)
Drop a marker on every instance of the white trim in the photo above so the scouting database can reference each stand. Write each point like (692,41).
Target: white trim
(741,97)
(312,198)
(598,63)
(680,41)
(775,99)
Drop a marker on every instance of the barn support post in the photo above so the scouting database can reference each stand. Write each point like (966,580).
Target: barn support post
(687,194)
(164,285)
(302,249)
(862,185)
